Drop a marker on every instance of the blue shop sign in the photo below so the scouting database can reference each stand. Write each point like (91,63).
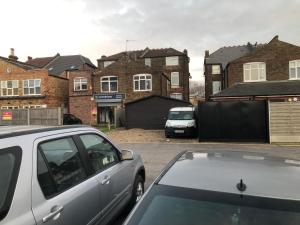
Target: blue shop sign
(109,97)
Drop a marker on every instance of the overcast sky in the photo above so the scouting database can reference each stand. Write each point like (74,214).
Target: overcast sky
(100,27)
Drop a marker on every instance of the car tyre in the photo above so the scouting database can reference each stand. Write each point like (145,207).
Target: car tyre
(137,191)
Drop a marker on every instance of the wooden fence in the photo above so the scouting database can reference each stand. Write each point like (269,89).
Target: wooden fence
(284,122)
(43,116)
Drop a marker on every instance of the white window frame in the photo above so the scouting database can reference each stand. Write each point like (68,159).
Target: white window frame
(4,85)
(142,77)
(172,61)
(214,91)
(216,69)
(296,66)
(34,106)
(175,82)
(10,107)
(261,68)
(80,81)
(107,63)
(109,81)
(176,94)
(148,62)
(34,86)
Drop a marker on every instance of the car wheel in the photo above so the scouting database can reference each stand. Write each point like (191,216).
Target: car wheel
(167,135)
(138,190)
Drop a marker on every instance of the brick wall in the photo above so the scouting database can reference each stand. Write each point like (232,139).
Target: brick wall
(275,54)
(54,91)
(83,108)
(158,67)
(209,78)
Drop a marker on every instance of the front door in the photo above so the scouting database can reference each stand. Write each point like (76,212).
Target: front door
(63,193)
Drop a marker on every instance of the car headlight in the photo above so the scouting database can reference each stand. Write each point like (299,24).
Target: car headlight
(168,124)
(190,124)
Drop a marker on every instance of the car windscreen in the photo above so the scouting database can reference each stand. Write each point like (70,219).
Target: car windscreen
(9,166)
(166,205)
(181,115)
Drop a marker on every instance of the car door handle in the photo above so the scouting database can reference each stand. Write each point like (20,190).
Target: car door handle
(106,180)
(54,214)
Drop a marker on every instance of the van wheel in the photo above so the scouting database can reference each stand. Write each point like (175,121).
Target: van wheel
(137,191)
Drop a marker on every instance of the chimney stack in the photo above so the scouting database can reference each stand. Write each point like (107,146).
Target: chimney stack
(185,51)
(206,54)
(29,58)
(12,55)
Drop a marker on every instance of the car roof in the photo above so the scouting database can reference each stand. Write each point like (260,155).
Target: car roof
(182,109)
(13,131)
(221,171)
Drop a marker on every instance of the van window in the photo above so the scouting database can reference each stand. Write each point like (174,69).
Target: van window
(181,115)
(9,168)
(63,163)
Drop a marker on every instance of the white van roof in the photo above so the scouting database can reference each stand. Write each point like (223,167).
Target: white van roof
(182,109)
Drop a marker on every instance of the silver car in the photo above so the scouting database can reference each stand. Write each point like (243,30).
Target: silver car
(222,188)
(72,175)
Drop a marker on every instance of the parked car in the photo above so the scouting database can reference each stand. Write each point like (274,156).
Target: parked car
(70,119)
(65,175)
(228,188)
(181,121)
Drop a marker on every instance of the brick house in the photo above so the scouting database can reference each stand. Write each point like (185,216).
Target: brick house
(269,71)
(215,66)
(125,77)
(26,86)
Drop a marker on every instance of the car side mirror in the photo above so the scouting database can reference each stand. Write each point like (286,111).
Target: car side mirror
(127,155)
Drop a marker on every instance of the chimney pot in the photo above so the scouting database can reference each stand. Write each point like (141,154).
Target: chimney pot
(12,54)
(206,54)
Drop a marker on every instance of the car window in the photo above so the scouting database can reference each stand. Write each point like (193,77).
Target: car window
(9,166)
(101,153)
(177,206)
(59,166)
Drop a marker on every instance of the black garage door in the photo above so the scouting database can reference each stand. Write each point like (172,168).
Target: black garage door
(150,112)
(233,121)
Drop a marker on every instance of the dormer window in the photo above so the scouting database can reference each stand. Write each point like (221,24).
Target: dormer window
(254,72)
(294,69)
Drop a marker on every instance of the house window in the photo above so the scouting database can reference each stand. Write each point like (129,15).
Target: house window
(34,106)
(254,72)
(107,63)
(215,69)
(295,69)
(216,87)
(32,87)
(176,96)
(80,84)
(175,79)
(172,61)
(10,88)
(109,84)
(148,62)
(10,107)
(142,82)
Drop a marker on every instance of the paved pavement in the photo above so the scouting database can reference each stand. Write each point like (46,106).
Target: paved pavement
(157,155)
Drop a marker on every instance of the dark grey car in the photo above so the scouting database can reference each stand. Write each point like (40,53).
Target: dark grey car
(65,175)
(222,188)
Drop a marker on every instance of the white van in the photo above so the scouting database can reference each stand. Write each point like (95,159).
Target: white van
(181,122)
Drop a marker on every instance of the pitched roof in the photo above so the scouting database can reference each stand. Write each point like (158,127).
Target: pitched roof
(227,54)
(19,64)
(57,64)
(41,62)
(266,88)
(146,53)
